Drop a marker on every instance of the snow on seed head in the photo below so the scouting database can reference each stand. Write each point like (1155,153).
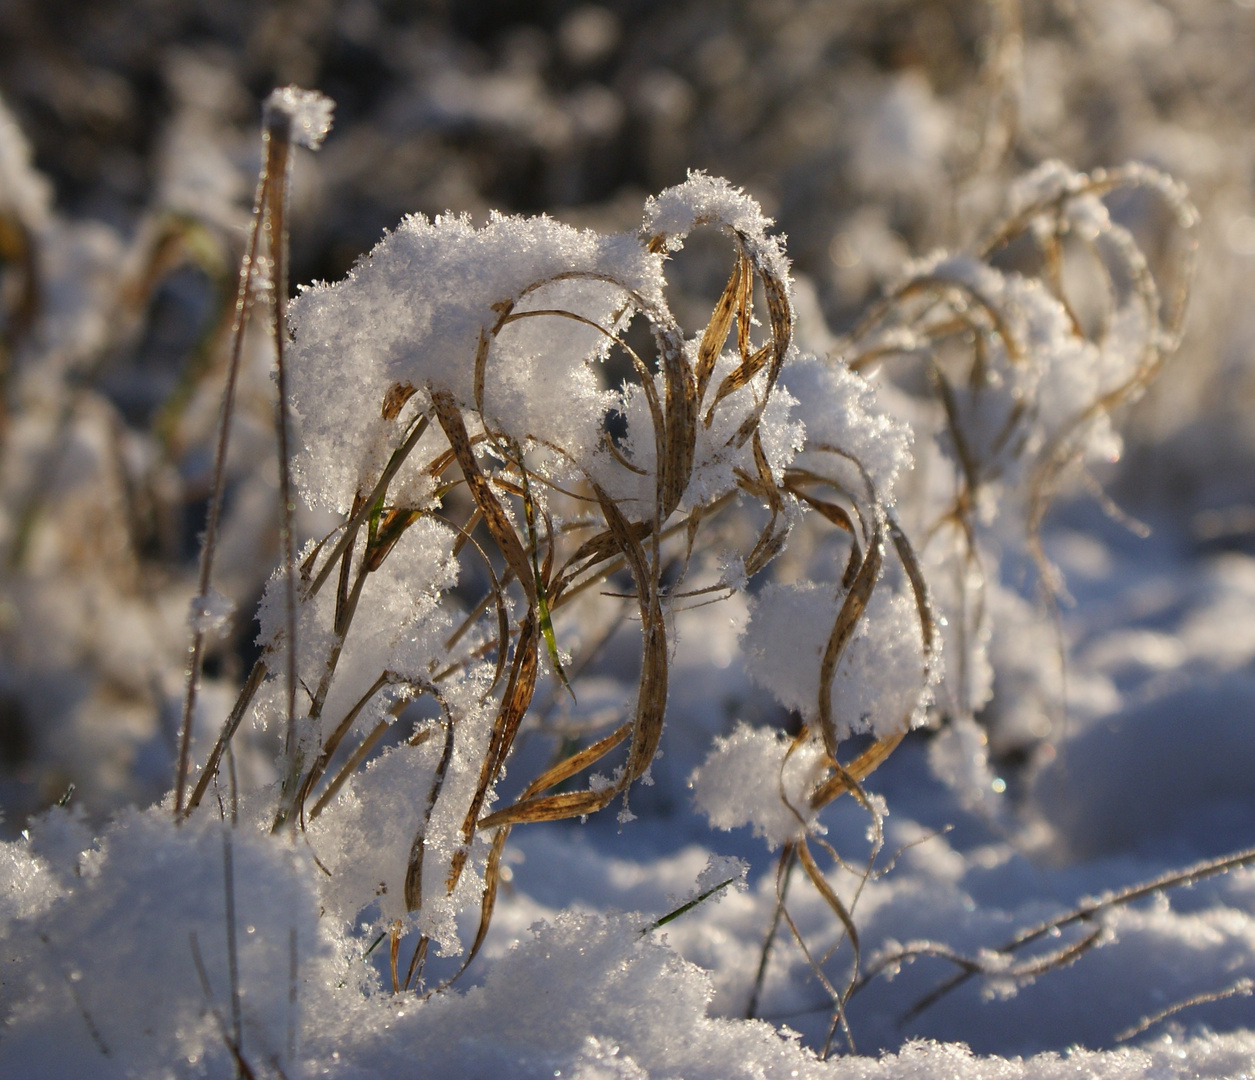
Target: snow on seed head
(301,116)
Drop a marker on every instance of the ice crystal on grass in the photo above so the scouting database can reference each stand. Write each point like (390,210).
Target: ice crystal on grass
(304,115)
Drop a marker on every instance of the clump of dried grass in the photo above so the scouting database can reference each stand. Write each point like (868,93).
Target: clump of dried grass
(539,563)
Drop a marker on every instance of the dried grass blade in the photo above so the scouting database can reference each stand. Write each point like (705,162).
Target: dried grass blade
(229,729)
(414,868)
(497,594)
(830,512)
(277,137)
(1088,910)
(744,307)
(368,504)
(391,529)
(521,810)
(348,768)
(566,804)
(488,903)
(1242,987)
(839,909)
(450,418)
(394,400)
(915,575)
(784,874)
(243,307)
(852,609)
(541,580)
(603,546)
(680,429)
(651,702)
(739,378)
(716,332)
(617,454)
(514,703)
(857,770)
(830,897)
(333,742)
(242,1066)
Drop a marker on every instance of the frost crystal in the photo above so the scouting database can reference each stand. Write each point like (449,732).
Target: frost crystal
(303,115)
(211,614)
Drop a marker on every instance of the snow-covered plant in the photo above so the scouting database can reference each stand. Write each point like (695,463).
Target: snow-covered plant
(462,362)
(1026,344)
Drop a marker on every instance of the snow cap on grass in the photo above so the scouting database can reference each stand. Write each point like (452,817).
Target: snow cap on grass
(304,115)
(882,680)
(747,777)
(712,200)
(411,314)
(1041,378)
(841,416)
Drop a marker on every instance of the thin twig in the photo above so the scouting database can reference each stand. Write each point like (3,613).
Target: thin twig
(278,139)
(1242,988)
(1082,913)
(243,305)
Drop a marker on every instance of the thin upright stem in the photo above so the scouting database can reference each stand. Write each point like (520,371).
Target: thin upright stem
(196,651)
(277,137)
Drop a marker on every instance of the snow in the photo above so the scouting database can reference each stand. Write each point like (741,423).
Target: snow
(413,313)
(306,114)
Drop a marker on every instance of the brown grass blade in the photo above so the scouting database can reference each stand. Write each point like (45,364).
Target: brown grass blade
(243,307)
(229,729)
(716,332)
(514,703)
(450,418)
(852,609)
(365,506)
(414,868)
(744,307)
(520,811)
(646,727)
(566,804)
(915,575)
(651,702)
(680,429)
(857,770)
(739,378)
